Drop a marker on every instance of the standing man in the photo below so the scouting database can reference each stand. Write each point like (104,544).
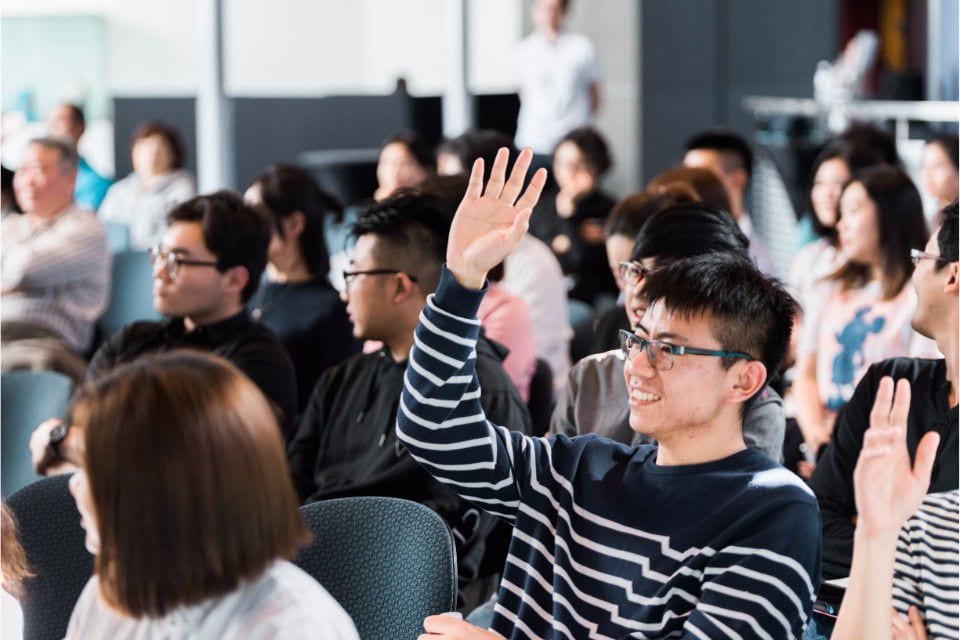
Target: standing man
(558,81)
(54,266)
(68,123)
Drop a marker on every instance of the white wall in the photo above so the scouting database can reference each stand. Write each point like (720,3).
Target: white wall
(294,47)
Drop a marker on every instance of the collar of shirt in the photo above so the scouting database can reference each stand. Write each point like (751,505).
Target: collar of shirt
(174,330)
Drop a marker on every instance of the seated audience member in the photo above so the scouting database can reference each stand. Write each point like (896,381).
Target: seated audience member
(188,511)
(596,399)
(704,183)
(405,160)
(295,300)
(939,171)
(157,183)
(571,221)
(933,399)
(67,122)
(608,540)
(346,444)
(906,551)
(54,266)
(860,314)
(532,272)
(208,266)
(729,156)
(832,168)
(621,229)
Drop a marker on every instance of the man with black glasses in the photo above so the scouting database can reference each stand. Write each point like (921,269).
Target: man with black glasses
(346,444)
(933,400)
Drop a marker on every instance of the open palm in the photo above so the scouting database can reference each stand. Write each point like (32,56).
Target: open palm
(888,489)
(491,220)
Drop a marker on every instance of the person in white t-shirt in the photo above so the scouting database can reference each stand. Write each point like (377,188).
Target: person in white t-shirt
(558,80)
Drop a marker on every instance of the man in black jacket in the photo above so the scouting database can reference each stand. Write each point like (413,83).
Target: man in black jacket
(346,444)
(933,403)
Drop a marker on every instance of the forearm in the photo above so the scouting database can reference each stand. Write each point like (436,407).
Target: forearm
(869,598)
(440,420)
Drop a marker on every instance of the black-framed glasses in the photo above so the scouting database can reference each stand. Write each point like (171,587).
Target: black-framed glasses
(661,355)
(172,262)
(916,256)
(632,273)
(348,276)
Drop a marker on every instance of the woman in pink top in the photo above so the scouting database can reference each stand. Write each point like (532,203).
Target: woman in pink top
(506,320)
(860,314)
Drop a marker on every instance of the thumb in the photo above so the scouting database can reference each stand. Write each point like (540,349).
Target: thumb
(926,456)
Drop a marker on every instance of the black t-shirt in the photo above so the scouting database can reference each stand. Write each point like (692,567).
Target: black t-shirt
(249,345)
(832,480)
(312,324)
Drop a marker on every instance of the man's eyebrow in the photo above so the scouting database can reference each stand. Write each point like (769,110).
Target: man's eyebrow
(640,328)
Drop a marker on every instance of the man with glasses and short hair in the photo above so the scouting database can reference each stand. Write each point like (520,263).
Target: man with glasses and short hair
(209,264)
(933,399)
(595,398)
(346,444)
(700,537)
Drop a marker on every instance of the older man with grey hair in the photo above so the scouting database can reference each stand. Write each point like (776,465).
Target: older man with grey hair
(54,265)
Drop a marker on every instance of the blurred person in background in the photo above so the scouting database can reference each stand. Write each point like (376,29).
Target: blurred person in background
(157,183)
(860,314)
(67,122)
(939,170)
(571,221)
(295,299)
(405,160)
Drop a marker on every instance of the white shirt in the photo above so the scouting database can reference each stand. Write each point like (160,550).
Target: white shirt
(282,603)
(533,274)
(144,210)
(554,80)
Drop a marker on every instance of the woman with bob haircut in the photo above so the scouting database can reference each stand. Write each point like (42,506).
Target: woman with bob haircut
(184,494)
(860,314)
(295,299)
(157,183)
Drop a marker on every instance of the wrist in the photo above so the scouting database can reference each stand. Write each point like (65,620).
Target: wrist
(468,278)
(876,534)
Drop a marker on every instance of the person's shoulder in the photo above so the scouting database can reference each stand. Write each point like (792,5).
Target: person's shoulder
(913,369)
(599,364)
(490,370)
(768,482)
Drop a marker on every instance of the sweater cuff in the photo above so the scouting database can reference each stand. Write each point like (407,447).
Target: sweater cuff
(454,298)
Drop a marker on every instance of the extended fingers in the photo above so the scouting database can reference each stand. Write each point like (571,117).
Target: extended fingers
(901,403)
(498,173)
(515,184)
(475,185)
(880,414)
(530,197)
(925,457)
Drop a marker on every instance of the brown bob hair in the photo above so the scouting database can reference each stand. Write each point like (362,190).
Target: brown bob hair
(188,478)
(703,181)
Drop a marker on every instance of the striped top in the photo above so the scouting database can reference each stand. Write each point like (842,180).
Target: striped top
(927,569)
(606,543)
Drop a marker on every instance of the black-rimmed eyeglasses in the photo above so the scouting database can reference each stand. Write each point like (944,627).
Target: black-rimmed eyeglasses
(916,256)
(172,262)
(661,355)
(632,273)
(348,276)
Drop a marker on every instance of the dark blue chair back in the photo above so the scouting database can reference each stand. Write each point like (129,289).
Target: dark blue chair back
(388,562)
(27,398)
(53,540)
(131,292)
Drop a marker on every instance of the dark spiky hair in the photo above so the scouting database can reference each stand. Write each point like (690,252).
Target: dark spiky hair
(749,312)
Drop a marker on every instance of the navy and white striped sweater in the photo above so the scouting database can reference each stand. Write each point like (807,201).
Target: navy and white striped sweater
(606,543)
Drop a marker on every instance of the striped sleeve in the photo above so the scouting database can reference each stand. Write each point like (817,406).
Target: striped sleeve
(927,567)
(440,420)
(762,586)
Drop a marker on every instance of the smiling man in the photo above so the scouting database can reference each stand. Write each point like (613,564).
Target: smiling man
(700,537)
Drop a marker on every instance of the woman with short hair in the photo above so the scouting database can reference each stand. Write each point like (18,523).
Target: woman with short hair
(157,183)
(184,493)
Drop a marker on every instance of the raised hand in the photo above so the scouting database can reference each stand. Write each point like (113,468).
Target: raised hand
(888,491)
(491,220)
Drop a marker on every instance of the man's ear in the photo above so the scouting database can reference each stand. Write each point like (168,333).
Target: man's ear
(236,279)
(951,285)
(738,179)
(404,287)
(751,377)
